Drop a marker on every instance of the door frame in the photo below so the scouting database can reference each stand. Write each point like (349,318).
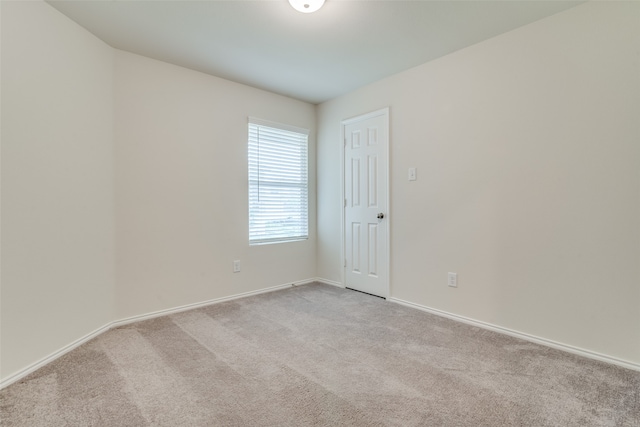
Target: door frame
(387,256)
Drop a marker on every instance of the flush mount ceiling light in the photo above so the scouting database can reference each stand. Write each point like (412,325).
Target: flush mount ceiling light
(306,6)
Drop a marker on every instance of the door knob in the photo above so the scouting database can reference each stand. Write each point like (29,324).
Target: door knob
(380,215)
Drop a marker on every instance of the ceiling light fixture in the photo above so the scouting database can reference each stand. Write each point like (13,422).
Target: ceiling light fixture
(306,6)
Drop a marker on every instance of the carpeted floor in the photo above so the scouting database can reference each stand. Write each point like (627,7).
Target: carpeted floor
(318,355)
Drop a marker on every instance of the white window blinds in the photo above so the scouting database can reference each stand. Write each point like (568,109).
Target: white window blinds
(278,183)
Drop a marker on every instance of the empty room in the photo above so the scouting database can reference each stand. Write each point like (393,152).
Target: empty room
(340,212)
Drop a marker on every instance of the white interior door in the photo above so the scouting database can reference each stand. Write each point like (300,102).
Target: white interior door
(366,179)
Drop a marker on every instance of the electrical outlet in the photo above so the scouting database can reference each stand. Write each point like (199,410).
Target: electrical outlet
(453,280)
(236,266)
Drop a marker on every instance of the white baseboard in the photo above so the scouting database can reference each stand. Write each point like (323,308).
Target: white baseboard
(174,310)
(16,376)
(531,338)
(116,323)
(549,343)
(329,282)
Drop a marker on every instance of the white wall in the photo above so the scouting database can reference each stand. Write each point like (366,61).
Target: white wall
(124,186)
(57,183)
(528,155)
(181,188)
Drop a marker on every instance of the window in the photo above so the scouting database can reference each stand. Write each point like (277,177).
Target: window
(278,183)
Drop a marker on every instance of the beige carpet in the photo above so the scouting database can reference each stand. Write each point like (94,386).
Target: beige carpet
(318,355)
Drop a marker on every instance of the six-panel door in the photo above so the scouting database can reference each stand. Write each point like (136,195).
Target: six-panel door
(366,205)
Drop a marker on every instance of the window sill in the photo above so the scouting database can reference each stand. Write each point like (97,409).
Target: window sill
(273,242)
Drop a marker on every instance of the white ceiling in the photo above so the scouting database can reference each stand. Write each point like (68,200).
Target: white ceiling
(312,57)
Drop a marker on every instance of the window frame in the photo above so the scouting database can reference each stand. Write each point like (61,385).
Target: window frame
(301,222)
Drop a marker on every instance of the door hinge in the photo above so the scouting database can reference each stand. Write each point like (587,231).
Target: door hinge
(345,203)
(345,141)
(345,263)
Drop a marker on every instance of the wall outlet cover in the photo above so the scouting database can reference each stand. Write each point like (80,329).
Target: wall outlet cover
(453,280)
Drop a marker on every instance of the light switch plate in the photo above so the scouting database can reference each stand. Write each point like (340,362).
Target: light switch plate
(413,174)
